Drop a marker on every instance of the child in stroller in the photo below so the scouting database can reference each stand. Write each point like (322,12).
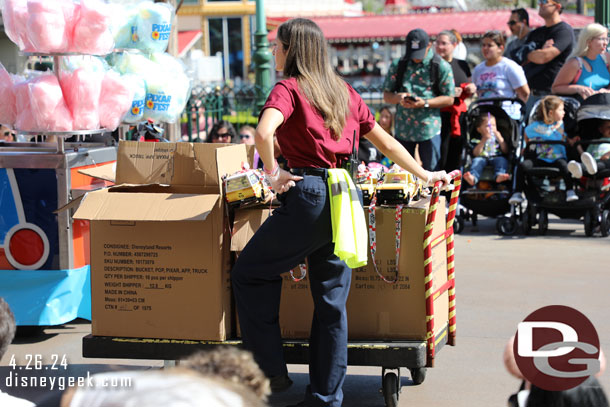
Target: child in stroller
(489,174)
(596,158)
(489,149)
(593,173)
(548,126)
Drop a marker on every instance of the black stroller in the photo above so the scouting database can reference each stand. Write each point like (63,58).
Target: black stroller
(487,197)
(544,186)
(591,113)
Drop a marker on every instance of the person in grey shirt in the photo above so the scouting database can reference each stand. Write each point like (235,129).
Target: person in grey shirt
(519,24)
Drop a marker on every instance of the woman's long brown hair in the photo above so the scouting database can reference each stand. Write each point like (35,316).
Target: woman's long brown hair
(307,61)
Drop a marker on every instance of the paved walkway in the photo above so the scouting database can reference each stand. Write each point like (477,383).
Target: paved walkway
(500,280)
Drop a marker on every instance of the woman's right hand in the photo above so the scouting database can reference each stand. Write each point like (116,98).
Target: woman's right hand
(282,181)
(436,176)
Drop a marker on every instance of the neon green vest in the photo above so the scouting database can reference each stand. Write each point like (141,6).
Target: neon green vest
(349,227)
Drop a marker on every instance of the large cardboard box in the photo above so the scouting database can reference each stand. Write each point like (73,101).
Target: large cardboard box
(160,243)
(376,309)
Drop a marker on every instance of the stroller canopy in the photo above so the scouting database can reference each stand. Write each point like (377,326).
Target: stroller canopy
(595,107)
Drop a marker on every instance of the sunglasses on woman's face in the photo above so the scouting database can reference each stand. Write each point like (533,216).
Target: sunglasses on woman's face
(222,135)
(9,133)
(547,1)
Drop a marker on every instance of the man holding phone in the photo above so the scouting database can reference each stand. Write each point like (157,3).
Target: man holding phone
(420,84)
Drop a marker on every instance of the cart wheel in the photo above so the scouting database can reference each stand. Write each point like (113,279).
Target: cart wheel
(418,375)
(458,224)
(605,223)
(506,226)
(543,222)
(474,219)
(390,389)
(588,223)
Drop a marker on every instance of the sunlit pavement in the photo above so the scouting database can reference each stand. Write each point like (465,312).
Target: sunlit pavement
(500,280)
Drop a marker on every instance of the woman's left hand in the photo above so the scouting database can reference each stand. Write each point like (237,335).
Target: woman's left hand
(283,181)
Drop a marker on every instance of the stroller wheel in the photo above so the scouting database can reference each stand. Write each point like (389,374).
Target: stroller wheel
(506,226)
(604,223)
(589,223)
(543,222)
(458,224)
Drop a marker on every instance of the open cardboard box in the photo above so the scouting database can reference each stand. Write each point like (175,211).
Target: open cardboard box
(160,244)
(376,310)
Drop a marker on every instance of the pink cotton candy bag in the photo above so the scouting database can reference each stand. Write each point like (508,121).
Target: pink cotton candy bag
(48,106)
(15,17)
(91,31)
(8,113)
(115,100)
(82,90)
(46,25)
(25,119)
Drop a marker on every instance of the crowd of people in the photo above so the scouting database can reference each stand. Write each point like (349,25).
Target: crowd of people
(429,88)
(309,115)
(431,91)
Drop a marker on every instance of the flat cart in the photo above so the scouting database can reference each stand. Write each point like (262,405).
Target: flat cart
(416,356)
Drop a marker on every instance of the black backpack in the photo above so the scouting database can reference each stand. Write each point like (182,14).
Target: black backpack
(434,73)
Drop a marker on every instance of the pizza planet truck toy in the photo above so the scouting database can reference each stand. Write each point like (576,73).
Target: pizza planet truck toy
(367,179)
(398,187)
(245,187)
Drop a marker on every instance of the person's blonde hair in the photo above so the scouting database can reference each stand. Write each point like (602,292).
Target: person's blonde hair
(307,61)
(545,107)
(590,31)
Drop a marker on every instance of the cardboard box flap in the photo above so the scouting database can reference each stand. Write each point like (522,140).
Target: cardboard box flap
(230,159)
(177,163)
(245,224)
(105,205)
(106,172)
(164,189)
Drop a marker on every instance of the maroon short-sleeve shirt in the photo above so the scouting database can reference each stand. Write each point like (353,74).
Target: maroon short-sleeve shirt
(304,140)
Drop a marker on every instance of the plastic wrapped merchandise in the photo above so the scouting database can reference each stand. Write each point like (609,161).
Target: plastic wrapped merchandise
(167,91)
(153,26)
(92,29)
(138,86)
(25,118)
(90,62)
(133,62)
(48,105)
(7,96)
(15,17)
(82,89)
(46,25)
(115,100)
(71,15)
(123,25)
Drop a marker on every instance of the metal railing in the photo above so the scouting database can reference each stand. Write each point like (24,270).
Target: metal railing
(238,106)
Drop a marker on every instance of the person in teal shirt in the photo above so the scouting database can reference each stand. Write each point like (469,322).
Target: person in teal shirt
(425,86)
(587,72)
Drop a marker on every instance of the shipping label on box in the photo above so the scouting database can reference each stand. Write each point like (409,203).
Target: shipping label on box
(157,282)
(160,243)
